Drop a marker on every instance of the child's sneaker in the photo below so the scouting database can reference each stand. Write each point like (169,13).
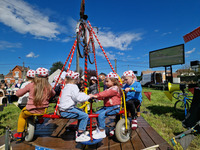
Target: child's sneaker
(134,124)
(95,131)
(82,137)
(99,135)
(18,135)
(112,132)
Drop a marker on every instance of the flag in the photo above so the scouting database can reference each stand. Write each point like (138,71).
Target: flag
(192,35)
(191,90)
(148,95)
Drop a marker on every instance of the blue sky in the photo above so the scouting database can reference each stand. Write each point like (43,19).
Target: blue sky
(41,32)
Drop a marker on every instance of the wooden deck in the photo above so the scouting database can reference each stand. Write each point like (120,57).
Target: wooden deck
(55,134)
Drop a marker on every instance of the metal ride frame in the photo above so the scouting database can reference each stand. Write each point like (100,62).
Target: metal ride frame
(82,27)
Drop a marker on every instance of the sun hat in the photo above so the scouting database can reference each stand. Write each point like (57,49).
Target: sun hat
(112,75)
(42,72)
(72,74)
(93,78)
(30,73)
(129,73)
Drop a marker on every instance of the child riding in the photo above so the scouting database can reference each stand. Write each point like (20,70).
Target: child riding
(133,91)
(93,89)
(22,101)
(40,92)
(112,100)
(69,98)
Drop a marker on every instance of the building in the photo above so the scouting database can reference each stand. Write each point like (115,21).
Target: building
(185,72)
(18,72)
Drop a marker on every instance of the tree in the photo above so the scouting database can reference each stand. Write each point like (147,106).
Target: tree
(55,66)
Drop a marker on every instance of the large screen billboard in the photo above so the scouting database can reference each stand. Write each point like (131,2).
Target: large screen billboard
(173,55)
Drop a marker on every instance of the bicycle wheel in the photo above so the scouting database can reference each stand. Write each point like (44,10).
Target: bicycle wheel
(30,130)
(81,37)
(91,49)
(120,131)
(176,95)
(179,106)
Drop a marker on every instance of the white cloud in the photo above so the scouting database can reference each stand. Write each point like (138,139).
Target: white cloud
(191,51)
(32,55)
(120,42)
(156,30)
(24,18)
(119,53)
(110,56)
(66,40)
(5,45)
(145,55)
(166,33)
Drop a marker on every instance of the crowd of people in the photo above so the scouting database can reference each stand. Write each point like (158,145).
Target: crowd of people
(35,94)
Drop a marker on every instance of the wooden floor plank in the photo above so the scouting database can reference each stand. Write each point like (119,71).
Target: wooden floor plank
(137,142)
(55,134)
(157,138)
(147,141)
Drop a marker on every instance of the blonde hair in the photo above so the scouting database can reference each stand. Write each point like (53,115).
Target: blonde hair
(70,80)
(117,83)
(41,86)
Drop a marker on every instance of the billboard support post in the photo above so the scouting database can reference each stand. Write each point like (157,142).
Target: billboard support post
(168,70)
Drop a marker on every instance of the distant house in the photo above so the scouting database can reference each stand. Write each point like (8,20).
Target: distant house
(15,74)
(102,76)
(185,72)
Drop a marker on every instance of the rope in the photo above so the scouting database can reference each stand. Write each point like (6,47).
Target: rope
(72,50)
(93,48)
(85,72)
(101,47)
(63,68)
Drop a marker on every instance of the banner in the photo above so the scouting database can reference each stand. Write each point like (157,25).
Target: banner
(148,95)
(192,35)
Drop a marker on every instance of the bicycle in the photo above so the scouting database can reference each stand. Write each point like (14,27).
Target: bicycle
(85,44)
(183,102)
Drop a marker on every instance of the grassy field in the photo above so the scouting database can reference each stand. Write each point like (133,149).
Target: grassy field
(158,112)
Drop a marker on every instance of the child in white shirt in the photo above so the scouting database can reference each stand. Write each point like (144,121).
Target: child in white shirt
(70,97)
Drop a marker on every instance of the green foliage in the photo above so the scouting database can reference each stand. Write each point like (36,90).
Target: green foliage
(55,66)
(9,117)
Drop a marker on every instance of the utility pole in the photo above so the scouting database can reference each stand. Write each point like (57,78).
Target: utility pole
(116,65)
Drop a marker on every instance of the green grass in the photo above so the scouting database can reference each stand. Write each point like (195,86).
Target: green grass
(159,113)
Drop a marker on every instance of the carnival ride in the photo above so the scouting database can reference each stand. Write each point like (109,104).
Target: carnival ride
(85,47)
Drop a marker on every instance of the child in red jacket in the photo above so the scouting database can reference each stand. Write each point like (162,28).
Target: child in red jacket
(112,100)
